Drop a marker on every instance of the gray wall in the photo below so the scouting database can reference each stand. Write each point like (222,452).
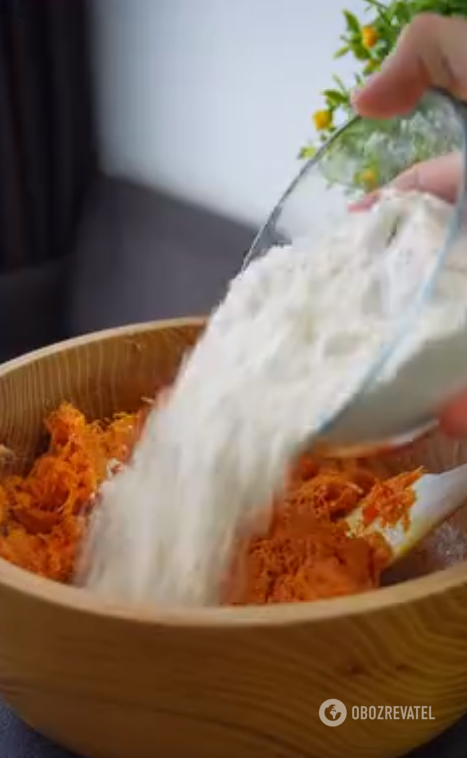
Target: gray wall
(210,100)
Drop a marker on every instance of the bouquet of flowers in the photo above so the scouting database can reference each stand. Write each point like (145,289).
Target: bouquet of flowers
(365,149)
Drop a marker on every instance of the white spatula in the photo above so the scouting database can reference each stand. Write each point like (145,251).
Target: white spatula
(437,496)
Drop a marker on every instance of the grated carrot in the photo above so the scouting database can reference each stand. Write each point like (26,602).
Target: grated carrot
(306,553)
(43,514)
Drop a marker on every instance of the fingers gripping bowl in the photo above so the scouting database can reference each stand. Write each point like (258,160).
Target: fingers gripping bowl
(109,682)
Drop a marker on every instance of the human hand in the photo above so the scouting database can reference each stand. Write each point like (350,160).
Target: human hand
(431,52)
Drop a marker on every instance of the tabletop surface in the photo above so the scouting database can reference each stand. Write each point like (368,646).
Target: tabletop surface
(19,741)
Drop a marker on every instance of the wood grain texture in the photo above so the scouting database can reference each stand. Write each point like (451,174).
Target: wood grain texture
(112,682)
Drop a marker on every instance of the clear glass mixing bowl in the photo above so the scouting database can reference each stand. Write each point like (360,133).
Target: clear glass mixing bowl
(355,161)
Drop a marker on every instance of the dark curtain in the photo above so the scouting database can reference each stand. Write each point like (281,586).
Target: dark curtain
(47,154)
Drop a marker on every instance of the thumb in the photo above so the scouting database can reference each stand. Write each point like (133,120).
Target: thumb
(440,176)
(431,52)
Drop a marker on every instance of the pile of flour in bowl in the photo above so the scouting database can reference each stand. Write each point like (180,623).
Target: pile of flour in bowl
(289,344)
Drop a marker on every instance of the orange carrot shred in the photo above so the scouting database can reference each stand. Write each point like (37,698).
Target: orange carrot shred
(306,554)
(43,514)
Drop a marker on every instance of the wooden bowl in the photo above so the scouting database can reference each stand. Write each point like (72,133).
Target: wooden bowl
(115,682)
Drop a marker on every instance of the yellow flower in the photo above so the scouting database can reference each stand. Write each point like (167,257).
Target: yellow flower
(323,120)
(368,178)
(369,36)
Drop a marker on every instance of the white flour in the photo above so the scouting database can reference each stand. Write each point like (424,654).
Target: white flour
(288,345)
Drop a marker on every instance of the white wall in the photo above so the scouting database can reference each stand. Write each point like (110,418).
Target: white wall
(210,100)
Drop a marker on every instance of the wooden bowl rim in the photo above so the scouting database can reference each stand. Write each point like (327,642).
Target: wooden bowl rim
(76,599)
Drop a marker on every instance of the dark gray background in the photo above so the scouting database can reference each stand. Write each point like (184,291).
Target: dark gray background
(139,256)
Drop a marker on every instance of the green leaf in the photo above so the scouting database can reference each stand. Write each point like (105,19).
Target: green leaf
(381,49)
(335,97)
(306,153)
(348,109)
(384,15)
(341,52)
(376,4)
(340,84)
(401,12)
(360,51)
(353,23)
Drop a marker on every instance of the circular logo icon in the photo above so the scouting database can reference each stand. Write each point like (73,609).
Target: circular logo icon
(332,712)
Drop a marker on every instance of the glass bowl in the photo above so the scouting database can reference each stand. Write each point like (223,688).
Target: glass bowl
(361,157)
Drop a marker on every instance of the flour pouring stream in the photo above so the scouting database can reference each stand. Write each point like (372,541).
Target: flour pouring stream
(290,345)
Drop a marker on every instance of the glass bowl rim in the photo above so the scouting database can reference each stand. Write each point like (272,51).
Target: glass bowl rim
(459,109)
